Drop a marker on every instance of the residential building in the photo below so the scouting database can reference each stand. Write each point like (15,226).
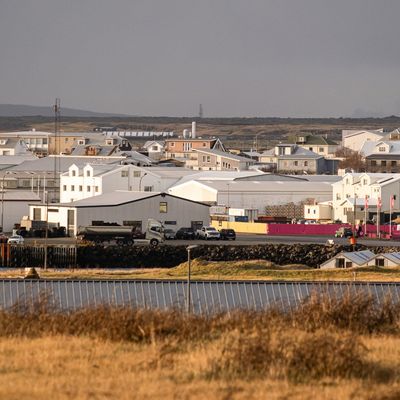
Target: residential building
(184,147)
(354,139)
(382,156)
(291,158)
(216,160)
(36,141)
(316,143)
(154,149)
(355,190)
(84,181)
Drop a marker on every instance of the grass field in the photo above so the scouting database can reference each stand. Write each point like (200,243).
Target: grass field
(242,270)
(348,349)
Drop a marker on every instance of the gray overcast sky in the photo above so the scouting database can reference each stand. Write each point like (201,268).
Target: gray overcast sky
(236,57)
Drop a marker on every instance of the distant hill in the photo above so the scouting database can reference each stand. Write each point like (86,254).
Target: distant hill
(20,110)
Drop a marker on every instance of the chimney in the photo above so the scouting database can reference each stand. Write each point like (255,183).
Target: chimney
(194,130)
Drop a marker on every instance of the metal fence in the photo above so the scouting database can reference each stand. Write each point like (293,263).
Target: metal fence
(206,296)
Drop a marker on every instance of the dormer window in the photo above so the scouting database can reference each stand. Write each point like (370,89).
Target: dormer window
(88,172)
(381,149)
(109,142)
(81,141)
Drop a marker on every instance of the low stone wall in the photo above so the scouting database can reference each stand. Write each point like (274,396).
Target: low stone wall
(169,256)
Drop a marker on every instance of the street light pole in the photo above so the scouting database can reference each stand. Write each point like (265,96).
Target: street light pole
(46,234)
(188,293)
(140,181)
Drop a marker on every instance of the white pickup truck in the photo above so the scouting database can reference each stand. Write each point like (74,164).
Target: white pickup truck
(207,233)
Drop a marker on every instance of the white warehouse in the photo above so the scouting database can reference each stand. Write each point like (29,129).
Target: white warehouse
(252,194)
(125,208)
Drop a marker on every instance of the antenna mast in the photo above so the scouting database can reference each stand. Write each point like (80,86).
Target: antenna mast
(57,112)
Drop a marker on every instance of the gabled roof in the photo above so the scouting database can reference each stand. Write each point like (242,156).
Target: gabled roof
(225,155)
(311,139)
(120,197)
(369,147)
(359,258)
(394,257)
(300,152)
(153,142)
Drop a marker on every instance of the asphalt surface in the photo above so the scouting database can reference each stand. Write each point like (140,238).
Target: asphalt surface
(245,239)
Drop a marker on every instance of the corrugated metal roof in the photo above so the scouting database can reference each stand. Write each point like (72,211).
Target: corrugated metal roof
(359,257)
(226,155)
(112,198)
(394,257)
(269,186)
(63,163)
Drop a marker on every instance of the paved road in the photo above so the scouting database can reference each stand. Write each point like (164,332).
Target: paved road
(245,240)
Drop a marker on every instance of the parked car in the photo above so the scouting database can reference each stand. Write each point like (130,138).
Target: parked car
(16,239)
(169,234)
(185,233)
(344,232)
(207,233)
(227,234)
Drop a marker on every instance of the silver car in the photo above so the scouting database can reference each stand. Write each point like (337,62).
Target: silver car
(16,239)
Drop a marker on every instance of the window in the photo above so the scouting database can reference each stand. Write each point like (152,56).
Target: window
(310,148)
(338,197)
(204,158)
(379,262)
(306,163)
(81,141)
(88,172)
(296,163)
(154,148)
(393,163)
(73,172)
(124,174)
(148,188)
(37,214)
(321,149)
(64,188)
(88,188)
(383,163)
(172,144)
(136,174)
(169,222)
(26,183)
(96,189)
(382,149)
(80,188)
(72,188)
(163,207)
(365,182)
(373,163)
(66,140)
(204,144)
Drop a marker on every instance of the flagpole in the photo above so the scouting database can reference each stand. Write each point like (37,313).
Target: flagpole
(365,216)
(390,217)
(378,217)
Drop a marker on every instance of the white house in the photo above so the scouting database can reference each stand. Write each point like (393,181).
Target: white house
(155,149)
(349,194)
(125,208)
(354,139)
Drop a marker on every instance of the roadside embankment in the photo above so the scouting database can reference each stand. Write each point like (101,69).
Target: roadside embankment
(310,255)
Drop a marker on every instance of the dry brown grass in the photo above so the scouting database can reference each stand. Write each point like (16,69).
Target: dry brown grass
(125,353)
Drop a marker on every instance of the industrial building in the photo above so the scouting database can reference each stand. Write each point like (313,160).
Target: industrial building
(124,208)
